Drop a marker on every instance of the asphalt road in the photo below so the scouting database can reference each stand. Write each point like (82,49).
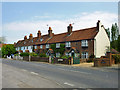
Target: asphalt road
(22,74)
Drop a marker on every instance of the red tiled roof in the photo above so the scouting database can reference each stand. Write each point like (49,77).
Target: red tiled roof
(82,34)
(88,33)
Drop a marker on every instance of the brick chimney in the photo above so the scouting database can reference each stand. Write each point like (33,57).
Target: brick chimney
(25,37)
(30,36)
(50,34)
(98,25)
(39,33)
(69,28)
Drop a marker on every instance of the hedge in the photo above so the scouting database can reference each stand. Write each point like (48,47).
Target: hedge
(117,58)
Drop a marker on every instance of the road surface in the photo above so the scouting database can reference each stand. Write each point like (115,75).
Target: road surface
(22,74)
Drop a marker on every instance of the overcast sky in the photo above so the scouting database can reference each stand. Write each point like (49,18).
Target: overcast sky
(22,18)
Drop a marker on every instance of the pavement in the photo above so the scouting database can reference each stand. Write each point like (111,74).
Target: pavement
(24,74)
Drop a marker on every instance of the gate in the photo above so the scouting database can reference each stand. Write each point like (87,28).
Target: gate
(76,60)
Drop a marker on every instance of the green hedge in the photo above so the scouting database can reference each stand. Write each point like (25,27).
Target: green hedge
(65,57)
(24,54)
(42,55)
(33,54)
(117,58)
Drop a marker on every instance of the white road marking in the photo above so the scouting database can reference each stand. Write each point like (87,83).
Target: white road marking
(24,70)
(34,73)
(69,84)
(74,71)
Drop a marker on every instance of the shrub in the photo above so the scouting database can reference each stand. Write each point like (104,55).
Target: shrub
(117,58)
(24,54)
(16,54)
(42,55)
(91,58)
(65,57)
(33,54)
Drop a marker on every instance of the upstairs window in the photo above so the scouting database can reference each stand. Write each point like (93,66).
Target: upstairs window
(57,54)
(84,55)
(41,46)
(84,43)
(41,39)
(47,45)
(35,47)
(68,44)
(57,45)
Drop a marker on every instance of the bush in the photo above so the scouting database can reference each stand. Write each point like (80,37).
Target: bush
(65,57)
(24,54)
(33,54)
(117,58)
(42,55)
(91,58)
(16,54)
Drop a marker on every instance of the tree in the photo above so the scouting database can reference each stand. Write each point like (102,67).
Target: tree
(108,32)
(118,43)
(114,32)
(8,50)
(114,36)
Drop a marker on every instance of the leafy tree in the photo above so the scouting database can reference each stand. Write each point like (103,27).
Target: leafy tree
(8,50)
(114,36)
(108,32)
(118,43)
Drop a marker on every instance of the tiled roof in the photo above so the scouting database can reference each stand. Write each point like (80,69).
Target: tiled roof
(88,33)
(82,34)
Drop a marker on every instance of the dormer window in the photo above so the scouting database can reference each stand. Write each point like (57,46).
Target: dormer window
(84,43)
(41,39)
(47,45)
(68,44)
(57,45)
(24,42)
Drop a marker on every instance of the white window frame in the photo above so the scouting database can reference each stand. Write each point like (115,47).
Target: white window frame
(41,39)
(58,54)
(84,43)
(47,45)
(35,46)
(68,44)
(57,45)
(41,46)
(84,55)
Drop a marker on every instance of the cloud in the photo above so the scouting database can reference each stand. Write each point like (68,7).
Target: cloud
(82,20)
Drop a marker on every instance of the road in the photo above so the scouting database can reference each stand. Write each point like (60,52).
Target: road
(22,74)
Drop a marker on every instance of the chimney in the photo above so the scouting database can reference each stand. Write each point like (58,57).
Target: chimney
(39,33)
(50,34)
(25,37)
(30,36)
(69,28)
(98,25)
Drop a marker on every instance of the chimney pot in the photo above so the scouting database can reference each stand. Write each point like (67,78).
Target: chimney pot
(50,32)
(30,36)
(25,37)
(39,33)
(69,29)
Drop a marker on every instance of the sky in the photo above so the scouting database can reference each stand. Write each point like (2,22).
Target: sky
(22,18)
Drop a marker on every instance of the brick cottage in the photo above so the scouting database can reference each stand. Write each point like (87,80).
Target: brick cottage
(84,42)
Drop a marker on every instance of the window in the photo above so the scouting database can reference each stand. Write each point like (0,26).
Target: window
(84,43)
(47,45)
(41,46)
(24,42)
(57,54)
(57,45)
(41,39)
(35,47)
(84,55)
(68,44)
